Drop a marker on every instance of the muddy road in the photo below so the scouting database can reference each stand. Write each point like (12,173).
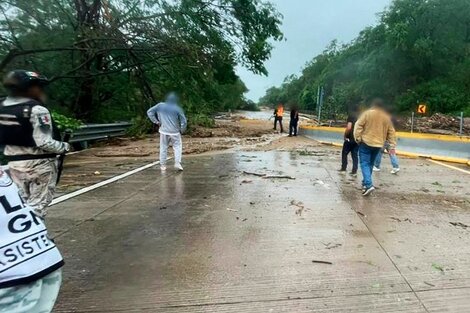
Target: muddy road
(265,224)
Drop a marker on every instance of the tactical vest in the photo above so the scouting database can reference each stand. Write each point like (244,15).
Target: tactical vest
(15,124)
(26,251)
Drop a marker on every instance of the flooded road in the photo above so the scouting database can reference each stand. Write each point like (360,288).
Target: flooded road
(272,231)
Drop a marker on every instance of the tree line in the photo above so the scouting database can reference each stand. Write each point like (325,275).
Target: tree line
(110,60)
(418,53)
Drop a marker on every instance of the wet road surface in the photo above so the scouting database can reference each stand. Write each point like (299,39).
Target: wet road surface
(216,239)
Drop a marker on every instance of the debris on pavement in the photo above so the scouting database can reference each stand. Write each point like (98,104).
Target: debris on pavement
(232,210)
(266,176)
(437,267)
(321,183)
(254,174)
(361,214)
(322,262)
(299,205)
(278,177)
(459,224)
(332,246)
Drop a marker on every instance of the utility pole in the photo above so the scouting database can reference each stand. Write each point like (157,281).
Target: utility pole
(461,124)
(320,97)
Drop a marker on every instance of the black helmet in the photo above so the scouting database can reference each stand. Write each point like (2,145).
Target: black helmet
(20,80)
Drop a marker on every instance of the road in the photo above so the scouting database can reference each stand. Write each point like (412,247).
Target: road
(216,239)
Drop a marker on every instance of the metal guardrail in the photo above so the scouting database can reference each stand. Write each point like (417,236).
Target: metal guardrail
(439,147)
(92,132)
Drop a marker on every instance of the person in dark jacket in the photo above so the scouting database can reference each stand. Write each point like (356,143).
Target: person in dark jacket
(294,121)
(350,145)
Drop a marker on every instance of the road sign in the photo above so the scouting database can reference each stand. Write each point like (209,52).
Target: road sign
(422,108)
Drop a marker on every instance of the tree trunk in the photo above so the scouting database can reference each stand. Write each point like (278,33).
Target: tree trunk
(88,21)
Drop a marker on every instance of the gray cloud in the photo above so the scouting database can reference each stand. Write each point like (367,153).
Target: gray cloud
(309,26)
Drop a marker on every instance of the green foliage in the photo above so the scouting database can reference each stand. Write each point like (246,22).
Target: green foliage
(200,120)
(249,106)
(419,52)
(111,59)
(140,127)
(65,123)
(439,95)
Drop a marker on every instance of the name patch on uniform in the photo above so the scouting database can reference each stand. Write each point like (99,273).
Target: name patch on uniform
(44,120)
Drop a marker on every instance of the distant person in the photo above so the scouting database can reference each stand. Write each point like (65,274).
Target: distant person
(391,152)
(350,146)
(373,128)
(170,119)
(294,121)
(32,140)
(30,263)
(278,114)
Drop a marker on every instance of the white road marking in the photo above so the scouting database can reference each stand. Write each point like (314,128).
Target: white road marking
(450,166)
(101,184)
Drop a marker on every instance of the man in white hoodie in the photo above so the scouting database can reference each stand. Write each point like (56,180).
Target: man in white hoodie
(170,118)
(32,143)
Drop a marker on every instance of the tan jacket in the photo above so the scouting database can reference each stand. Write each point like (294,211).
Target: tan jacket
(374,127)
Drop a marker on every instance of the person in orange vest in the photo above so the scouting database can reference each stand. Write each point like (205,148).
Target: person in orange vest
(278,113)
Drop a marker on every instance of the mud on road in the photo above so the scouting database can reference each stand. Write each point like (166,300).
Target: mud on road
(264,226)
(114,157)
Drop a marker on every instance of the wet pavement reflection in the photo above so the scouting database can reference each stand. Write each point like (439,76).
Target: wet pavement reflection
(260,232)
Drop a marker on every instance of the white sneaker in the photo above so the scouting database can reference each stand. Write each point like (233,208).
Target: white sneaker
(178,167)
(395,170)
(376,169)
(163,168)
(368,191)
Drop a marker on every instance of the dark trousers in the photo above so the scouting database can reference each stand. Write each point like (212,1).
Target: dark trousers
(293,125)
(353,148)
(278,119)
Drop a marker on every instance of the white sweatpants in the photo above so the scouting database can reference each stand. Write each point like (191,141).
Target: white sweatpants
(177,143)
(37,297)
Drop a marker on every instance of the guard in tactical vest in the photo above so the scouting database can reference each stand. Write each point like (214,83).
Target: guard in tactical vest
(32,143)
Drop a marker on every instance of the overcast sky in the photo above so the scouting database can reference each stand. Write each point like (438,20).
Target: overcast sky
(309,26)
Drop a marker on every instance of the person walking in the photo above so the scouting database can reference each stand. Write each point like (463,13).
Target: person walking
(32,142)
(391,152)
(373,128)
(350,145)
(30,263)
(278,114)
(294,121)
(172,122)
